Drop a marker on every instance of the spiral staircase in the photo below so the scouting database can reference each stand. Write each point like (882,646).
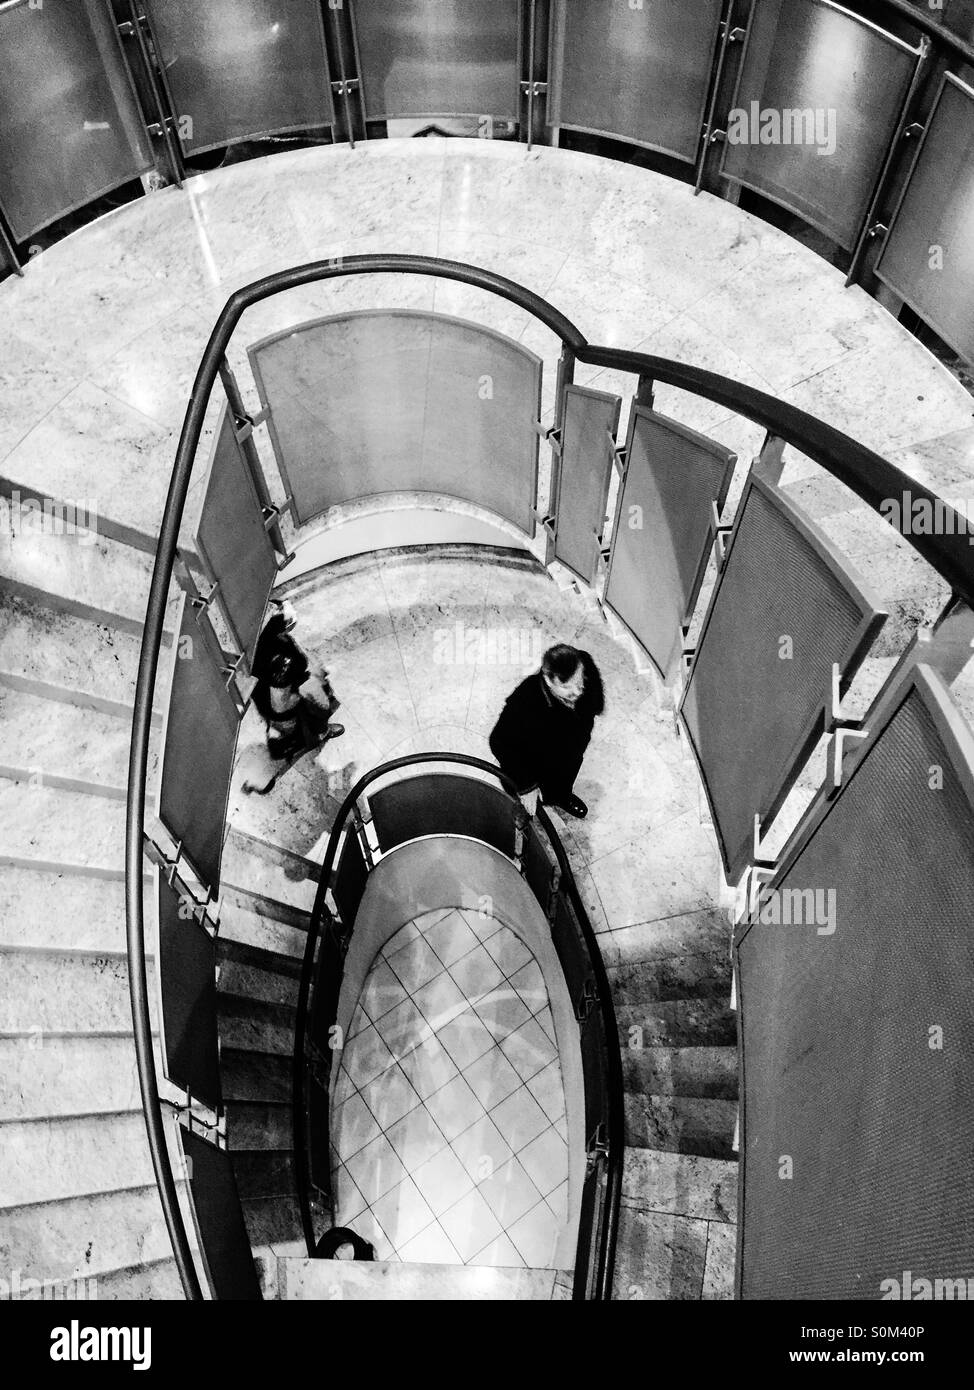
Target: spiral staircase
(77,1196)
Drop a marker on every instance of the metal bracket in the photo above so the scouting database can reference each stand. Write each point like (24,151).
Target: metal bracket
(201,602)
(834,718)
(838,753)
(759,862)
(244,425)
(534,89)
(877,229)
(914,130)
(587,1002)
(596,1149)
(736,35)
(345,86)
(720,533)
(759,877)
(717,137)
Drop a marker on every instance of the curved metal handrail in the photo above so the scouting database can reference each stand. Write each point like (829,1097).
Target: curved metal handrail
(615,1118)
(862,470)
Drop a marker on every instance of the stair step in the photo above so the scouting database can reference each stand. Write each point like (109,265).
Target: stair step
(682,1071)
(700,975)
(273,873)
(677,1023)
(259,1125)
(264,1173)
(58,993)
(106,581)
(396,1280)
(92,1235)
(64,740)
(255,1076)
(271,1220)
(252,1025)
(688,933)
(72,1156)
(54,1076)
(680,1184)
(94,663)
(50,911)
(237,977)
(262,923)
(52,827)
(157,1280)
(682,1124)
(660,1257)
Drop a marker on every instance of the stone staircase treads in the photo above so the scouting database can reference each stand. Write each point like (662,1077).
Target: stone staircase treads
(264,1173)
(682,1124)
(107,581)
(255,1076)
(272,1219)
(96,663)
(66,1075)
(677,1023)
(270,985)
(252,1025)
(65,740)
(59,993)
(158,1280)
(700,975)
(52,911)
(258,1125)
(258,922)
(283,878)
(73,1156)
(92,1234)
(680,1184)
(681,1071)
(659,1256)
(49,825)
(707,929)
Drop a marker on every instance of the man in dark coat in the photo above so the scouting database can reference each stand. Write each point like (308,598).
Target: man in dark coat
(545,726)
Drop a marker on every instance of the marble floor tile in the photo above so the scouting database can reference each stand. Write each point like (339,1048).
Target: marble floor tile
(450,937)
(491,1078)
(546,1087)
(470,1224)
(454,1107)
(482,1149)
(519,1118)
(510,1193)
(403,1213)
(443,1180)
(545,1160)
(375,1169)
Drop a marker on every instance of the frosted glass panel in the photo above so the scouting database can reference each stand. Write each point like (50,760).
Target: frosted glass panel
(371,403)
(70,130)
(649,81)
(239,68)
(819,97)
(928,258)
(438,57)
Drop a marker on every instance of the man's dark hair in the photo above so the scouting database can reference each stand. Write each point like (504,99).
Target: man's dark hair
(561,662)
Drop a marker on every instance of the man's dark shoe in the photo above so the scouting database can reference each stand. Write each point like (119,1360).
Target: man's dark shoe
(573,806)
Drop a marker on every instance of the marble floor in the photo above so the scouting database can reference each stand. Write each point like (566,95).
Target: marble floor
(104,332)
(379,623)
(449,1136)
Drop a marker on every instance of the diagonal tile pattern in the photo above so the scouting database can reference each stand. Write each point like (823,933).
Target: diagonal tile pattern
(447,1138)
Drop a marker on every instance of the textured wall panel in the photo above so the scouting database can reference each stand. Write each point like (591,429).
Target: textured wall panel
(841,1071)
